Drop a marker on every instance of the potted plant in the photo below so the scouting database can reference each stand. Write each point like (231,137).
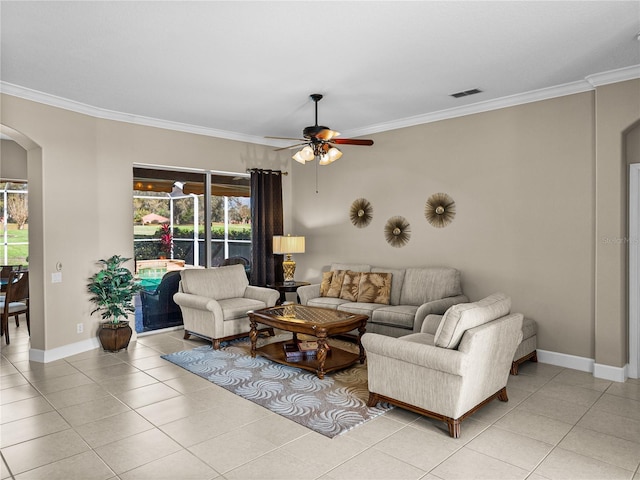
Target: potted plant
(113,289)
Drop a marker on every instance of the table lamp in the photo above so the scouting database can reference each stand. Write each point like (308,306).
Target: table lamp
(286,246)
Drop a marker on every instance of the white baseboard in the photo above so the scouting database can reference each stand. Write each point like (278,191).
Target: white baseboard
(567,361)
(46,356)
(606,372)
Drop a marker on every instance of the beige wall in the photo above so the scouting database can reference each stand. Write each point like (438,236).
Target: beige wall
(85,183)
(522,180)
(13,161)
(527,181)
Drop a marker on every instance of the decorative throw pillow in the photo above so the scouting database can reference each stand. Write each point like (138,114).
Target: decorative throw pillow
(375,288)
(350,284)
(326,283)
(336,284)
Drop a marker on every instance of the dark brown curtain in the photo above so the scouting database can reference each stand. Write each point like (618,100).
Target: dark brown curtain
(266,221)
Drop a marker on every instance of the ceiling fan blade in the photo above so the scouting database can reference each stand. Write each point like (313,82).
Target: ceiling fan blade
(351,141)
(286,138)
(291,146)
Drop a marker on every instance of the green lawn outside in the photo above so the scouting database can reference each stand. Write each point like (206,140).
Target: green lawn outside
(17,254)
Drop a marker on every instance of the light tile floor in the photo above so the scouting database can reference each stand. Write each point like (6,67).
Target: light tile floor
(131,415)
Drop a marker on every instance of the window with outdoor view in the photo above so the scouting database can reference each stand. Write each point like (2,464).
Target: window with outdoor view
(14,208)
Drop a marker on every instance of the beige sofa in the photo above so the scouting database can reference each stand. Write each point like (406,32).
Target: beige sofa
(418,296)
(215,302)
(450,374)
(413,294)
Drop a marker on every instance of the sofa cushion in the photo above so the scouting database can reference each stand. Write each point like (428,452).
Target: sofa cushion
(233,308)
(374,287)
(326,283)
(422,285)
(529,328)
(336,284)
(326,302)
(359,308)
(397,315)
(350,284)
(463,316)
(397,279)
(217,283)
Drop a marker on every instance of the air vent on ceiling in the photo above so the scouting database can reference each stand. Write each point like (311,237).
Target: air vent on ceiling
(466,93)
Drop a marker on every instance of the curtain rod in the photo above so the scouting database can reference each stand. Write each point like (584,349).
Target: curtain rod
(249,170)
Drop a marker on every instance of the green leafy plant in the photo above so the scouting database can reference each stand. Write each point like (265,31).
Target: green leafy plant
(113,289)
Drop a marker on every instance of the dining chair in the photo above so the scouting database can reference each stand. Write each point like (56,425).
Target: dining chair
(16,301)
(5,270)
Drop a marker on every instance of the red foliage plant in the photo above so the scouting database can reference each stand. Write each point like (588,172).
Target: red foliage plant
(166,239)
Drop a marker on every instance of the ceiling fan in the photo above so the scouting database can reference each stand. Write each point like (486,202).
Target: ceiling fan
(320,142)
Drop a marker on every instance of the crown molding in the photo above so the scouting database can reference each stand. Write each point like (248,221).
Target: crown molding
(614,76)
(83,108)
(589,83)
(480,107)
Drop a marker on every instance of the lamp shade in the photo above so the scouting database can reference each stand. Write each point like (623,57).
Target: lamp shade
(304,155)
(283,245)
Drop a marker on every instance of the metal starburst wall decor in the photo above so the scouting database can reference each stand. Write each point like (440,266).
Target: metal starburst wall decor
(361,212)
(397,231)
(440,210)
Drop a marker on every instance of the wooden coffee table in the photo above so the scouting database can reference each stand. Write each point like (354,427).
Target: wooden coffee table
(321,323)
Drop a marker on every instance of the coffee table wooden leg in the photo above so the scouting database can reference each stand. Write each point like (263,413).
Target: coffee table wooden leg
(361,331)
(322,353)
(253,335)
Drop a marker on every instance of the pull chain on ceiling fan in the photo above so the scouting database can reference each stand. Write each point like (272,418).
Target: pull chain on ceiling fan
(320,142)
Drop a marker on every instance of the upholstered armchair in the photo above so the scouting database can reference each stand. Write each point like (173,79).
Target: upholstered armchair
(215,302)
(449,375)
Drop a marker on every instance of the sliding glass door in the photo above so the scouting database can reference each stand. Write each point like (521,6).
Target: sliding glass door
(185,219)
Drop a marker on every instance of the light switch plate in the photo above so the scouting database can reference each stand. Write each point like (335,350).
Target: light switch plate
(56,277)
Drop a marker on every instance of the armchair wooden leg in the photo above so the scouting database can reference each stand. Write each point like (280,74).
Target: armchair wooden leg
(454,427)
(373,399)
(187,335)
(17,320)
(502,395)
(216,344)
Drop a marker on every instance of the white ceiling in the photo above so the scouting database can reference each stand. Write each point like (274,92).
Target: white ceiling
(242,70)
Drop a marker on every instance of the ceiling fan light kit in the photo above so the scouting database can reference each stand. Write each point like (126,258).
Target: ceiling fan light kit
(320,142)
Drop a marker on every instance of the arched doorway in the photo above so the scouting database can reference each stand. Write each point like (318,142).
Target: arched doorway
(36,243)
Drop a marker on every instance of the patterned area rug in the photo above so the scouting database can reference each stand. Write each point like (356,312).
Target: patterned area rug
(330,406)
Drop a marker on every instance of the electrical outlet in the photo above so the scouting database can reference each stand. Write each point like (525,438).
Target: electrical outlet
(80,328)
(56,277)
